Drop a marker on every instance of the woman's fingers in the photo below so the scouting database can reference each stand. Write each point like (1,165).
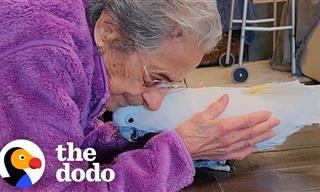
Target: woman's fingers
(251,133)
(235,147)
(240,139)
(228,125)
(239,155)
(251,142)
(262,137)
(230,138)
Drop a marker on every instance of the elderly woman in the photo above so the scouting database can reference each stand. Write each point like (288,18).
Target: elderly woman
(59,73)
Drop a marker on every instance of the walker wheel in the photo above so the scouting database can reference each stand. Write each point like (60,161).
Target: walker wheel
(223,58)
(240,74)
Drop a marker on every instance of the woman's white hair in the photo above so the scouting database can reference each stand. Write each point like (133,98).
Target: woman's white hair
(145,24)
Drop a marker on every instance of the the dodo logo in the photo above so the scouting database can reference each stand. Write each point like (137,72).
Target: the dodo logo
(22,163)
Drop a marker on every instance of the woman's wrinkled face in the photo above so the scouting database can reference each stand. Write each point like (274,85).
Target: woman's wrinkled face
(132,85)
(132,76)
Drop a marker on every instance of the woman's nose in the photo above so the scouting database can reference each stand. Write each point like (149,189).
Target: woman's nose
(153,99)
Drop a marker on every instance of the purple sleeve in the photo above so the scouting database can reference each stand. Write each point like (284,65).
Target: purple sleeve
(38,102)
(162,165)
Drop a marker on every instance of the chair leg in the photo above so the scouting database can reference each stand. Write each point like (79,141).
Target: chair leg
(230,32)
(275,14)
(243,31)
(293,38)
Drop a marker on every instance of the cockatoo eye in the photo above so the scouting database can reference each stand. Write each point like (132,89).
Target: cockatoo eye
(21,157)
(130,120)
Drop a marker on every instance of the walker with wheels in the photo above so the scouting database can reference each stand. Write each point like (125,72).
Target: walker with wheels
(240,73)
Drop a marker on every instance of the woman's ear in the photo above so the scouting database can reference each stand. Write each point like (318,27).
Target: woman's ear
(106,30)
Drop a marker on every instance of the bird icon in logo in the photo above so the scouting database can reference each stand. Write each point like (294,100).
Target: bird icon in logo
(16,161)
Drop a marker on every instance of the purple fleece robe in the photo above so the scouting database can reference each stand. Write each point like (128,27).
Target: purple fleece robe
(52,91)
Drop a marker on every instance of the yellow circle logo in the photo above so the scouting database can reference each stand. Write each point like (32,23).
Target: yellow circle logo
(22,163)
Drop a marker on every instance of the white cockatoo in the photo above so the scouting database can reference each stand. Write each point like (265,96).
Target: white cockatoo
(295,104)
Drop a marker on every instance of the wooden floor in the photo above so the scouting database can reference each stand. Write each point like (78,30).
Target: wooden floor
(294,166)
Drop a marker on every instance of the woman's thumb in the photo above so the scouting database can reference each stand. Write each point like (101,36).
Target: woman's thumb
(218,107)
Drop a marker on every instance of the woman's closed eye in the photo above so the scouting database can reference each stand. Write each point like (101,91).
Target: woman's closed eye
(162,78)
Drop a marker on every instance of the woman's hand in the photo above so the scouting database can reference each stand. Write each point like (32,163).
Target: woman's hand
(207,137)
